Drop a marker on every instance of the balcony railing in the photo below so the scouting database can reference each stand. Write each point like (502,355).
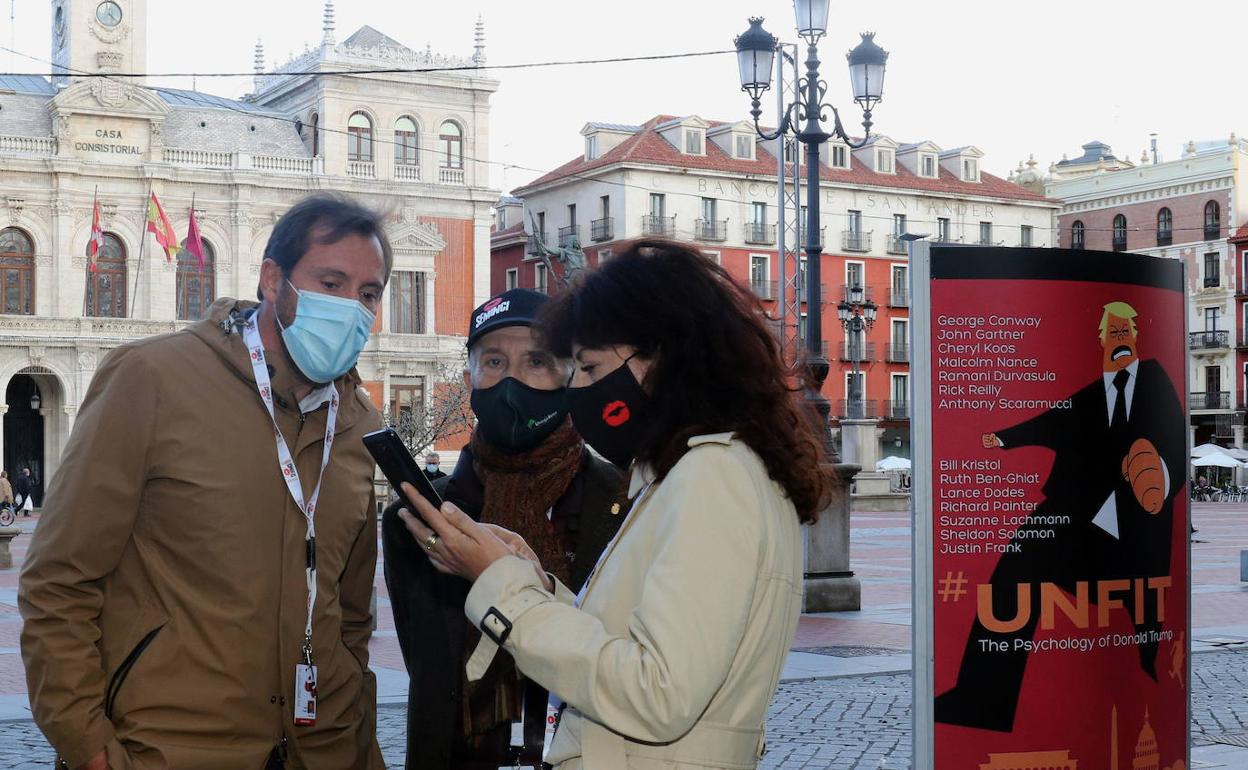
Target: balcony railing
(896,245)
(365,169)
(858,351)
(536,241)
(757,232)
(569,234)
(450,175)
(856,293)
(602,229)
(801,346)
(1208,340)
(1213,232)
(1213,281)
(27,145)
(857,409)
(898,297)
(710,229)
(407,172)
(1209,399)
(898,353)
(1165,237)
(1120,244)
(896,410)
(823,292)
(763,289)
(855,240)
(656,225)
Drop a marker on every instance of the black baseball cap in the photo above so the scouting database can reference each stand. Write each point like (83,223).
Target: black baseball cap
(517,307)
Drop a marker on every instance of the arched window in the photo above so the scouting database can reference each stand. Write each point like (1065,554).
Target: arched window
(197,289)
(1076,234)
(17,272)
(1165,227)
(1120,233)
(452,138)
(359,138)
(106,285)
(1213,221)
(406,146)
(316,135)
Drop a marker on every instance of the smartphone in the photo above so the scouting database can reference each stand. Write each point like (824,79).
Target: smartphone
(398,465)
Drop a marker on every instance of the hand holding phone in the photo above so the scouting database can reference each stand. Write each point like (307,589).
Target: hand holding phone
(399,466)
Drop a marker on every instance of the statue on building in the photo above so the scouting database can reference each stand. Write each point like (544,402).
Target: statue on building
(570,256)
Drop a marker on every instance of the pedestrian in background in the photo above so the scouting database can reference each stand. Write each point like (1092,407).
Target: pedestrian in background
(178,612)
(526,469)
(433,467)
(670,654)
(6,489)
(23,490)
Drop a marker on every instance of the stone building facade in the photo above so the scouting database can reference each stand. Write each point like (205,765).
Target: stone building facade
(414,145)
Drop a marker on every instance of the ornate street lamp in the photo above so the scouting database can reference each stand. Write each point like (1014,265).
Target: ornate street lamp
(804,118)
(856,315)
(35,401)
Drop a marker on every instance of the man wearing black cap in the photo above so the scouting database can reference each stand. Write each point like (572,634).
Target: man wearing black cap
(525,469)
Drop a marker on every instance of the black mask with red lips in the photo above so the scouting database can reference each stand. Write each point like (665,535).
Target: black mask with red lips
(609,415)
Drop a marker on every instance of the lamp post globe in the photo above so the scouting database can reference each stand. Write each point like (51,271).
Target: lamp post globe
(812,18)
(756,51)
(867,62)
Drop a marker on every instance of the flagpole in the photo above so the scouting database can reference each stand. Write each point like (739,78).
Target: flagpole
(138,272)
(95,201)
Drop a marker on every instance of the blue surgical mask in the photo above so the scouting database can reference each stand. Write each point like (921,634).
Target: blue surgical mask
(327,335)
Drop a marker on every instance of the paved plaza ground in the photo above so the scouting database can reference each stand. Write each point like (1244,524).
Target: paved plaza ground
(844,702)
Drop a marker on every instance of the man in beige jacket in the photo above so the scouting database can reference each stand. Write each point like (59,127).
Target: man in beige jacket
(166,593)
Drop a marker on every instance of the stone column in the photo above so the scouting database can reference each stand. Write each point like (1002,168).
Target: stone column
(860,445)
(830,583)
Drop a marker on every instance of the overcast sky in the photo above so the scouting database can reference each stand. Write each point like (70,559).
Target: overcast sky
(1012,78)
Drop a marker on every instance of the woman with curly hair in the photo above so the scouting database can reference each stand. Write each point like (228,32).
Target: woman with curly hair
(671,654)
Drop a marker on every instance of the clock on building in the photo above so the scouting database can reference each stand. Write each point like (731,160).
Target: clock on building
(108,13)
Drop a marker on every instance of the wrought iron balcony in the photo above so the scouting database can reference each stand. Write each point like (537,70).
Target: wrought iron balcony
(1120,243)
(896,245)
(569,234)
(1213,281)
(898,297)
(656,225)
(763,289)
(1209,399)
(1165,237)
(536,241)
(898,353)
(1208,340)
(1213,232)
(602,229)
(857,409)
(897,410)
(757,232)
(856,240)
(710,229)
(858,351)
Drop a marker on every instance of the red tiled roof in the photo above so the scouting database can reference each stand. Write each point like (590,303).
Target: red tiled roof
(508,232)
(647,146)
(1241,234)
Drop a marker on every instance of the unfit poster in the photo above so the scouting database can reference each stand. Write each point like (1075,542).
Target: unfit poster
(1055,513)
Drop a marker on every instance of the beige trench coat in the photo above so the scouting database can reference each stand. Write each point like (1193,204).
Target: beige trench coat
(165,583)
(676,652)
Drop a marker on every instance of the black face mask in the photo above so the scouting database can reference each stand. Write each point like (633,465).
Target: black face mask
(609,415)
(515,417)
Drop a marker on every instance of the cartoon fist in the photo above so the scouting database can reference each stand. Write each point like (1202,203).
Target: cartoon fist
(990,441)
(1142,469)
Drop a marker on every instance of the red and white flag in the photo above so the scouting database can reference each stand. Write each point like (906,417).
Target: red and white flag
(97,236)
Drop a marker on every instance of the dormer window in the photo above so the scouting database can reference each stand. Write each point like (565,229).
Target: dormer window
(840,156)
(591,147)
(744,146)
(970,170)
(929,166)
(693,142)
(884,161)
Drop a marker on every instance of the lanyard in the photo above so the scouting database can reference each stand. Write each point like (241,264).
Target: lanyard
(255,349)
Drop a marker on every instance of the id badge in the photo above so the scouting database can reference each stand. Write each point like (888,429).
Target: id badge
(305,695)
(552,722)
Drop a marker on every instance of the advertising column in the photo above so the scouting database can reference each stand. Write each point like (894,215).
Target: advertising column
(1051,510)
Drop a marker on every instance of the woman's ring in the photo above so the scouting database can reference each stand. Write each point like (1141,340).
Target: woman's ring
(430,542)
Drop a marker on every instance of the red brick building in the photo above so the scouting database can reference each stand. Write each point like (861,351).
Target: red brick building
(714,183)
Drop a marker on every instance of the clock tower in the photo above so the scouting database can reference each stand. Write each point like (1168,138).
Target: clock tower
(98,36)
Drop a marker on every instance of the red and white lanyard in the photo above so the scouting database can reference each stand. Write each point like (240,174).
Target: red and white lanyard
(255,350)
